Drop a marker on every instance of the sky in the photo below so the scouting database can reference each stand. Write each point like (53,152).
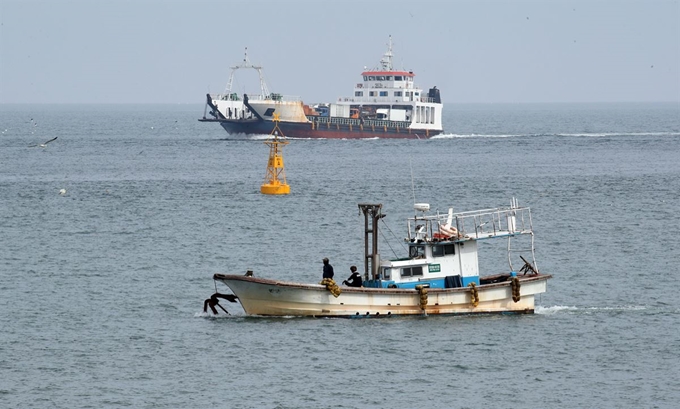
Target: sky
(153,51)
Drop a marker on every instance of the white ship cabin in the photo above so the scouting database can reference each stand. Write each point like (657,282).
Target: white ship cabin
(442,249)
(387,94)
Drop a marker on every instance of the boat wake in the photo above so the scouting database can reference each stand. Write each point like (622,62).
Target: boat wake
(558,135)
(556,309)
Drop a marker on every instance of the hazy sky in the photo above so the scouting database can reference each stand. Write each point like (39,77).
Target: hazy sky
(147,51)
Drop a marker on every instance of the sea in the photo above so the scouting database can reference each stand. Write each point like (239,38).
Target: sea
(110,236)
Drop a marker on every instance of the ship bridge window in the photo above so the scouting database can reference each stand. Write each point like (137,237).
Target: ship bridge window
(386,273)
(365,77)
(398,78)
(371,78)
(358,93)
(412,271)
(416,251)
(443,250)
(388,78)
(380,78)
(383,93)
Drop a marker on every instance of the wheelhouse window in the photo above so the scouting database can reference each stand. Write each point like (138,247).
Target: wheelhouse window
(416,251)
(365,77)
(389,78)
(398,78)
(412,271)
(358,93)
(371,78)
(383,93)
(387,273)
(380,78)
(443,250)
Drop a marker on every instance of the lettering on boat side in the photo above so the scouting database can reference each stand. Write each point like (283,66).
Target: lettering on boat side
(434,268)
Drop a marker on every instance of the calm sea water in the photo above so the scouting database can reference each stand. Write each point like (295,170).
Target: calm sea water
(101,289)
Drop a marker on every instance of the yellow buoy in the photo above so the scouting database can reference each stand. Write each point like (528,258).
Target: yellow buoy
(275,179)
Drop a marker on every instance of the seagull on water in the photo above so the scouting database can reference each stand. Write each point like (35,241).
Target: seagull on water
(42,145)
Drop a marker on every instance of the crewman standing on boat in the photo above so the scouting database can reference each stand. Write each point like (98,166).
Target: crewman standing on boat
(327,269)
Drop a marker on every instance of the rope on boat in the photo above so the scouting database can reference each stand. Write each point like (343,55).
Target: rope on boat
(331,286)
(213,302)
(473,294)
(514,283)
(422,290)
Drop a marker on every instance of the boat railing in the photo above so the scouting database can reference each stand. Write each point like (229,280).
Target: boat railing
(475,224)
(367,123)
(255,97)
(363,100)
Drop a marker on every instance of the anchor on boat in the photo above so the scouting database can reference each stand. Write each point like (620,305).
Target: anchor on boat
(214,301)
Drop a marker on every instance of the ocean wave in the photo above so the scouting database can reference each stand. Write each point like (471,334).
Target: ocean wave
(552,310)
(473,135)
(559,134)
(560,308)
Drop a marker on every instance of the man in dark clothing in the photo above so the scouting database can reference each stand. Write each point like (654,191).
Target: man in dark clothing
(354,279)
(327,269)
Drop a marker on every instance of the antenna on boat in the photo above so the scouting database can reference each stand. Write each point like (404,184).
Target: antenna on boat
(413,187)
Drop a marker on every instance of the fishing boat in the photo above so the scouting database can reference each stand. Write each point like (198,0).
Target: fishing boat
(385,104)
(440,273)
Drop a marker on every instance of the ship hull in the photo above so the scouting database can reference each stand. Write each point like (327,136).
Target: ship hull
(275,298)
(322,131)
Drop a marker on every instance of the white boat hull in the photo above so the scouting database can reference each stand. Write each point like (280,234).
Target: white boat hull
(276,298)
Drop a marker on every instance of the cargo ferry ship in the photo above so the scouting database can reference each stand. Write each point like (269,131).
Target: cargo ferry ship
(387,103)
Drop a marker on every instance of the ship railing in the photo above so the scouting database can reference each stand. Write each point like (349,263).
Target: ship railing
(367,123)
(255,97)
(392,99)
(477,224)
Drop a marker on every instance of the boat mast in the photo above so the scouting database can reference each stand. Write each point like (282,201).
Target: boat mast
(386,61)
(247,64)
(374,211)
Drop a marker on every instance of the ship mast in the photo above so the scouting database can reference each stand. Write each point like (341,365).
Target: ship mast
(386,61)
(247,64)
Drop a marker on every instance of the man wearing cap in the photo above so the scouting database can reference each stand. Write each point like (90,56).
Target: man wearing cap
(327,269)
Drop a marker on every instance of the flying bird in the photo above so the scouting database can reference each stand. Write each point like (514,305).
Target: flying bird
(42,145)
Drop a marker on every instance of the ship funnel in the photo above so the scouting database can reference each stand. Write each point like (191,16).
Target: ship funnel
(434,95)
